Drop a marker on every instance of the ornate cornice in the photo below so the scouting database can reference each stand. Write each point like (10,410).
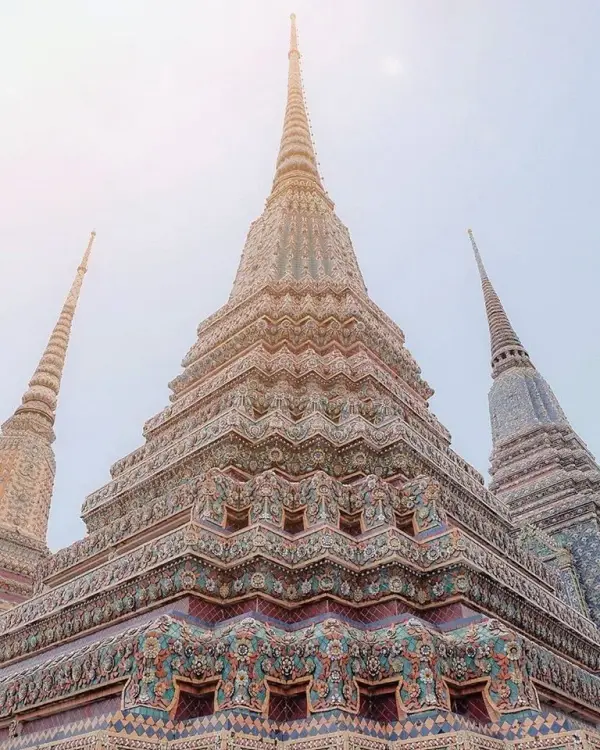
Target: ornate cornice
(284,558)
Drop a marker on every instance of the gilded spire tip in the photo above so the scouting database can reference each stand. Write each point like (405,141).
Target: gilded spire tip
(293,35)
(297,158)
(86,256)
(479,261)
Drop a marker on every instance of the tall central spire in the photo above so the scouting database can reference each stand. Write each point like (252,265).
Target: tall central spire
(298,238)
(296,153)
(507,350)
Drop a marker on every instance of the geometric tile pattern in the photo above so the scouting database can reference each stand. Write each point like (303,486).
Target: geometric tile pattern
(127,727)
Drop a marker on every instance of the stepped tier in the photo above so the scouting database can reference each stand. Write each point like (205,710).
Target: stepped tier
(171,507)
(243,661)
(296,395)
(243,540)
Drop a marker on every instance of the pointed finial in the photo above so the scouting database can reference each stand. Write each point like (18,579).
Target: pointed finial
(293,35)
(42,394)
(86,256)
(507,350)
(480,266)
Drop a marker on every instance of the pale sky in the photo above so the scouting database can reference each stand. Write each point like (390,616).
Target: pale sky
(158,125)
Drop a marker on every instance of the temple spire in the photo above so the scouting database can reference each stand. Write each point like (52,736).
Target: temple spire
(507,350)
(298,238)
(41,396)
(296,153)
(27,463)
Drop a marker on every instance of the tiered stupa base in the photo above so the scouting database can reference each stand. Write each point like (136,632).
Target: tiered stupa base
(172,680)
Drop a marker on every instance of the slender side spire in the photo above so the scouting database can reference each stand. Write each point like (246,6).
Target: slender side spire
(27,464)
(507,350)
(296,153)
(42,394)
